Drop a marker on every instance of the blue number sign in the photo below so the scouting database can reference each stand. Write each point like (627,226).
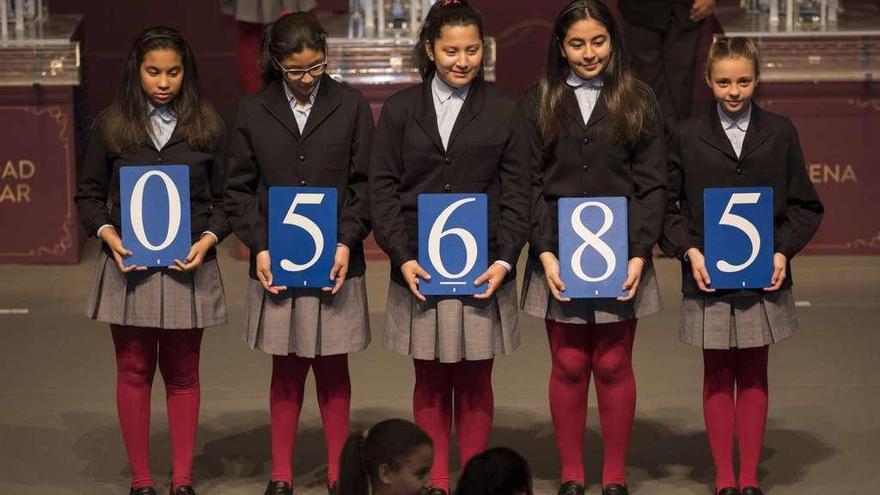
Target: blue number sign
(739,236)
(453,240)
(593,246)
(155,213)
(302,235)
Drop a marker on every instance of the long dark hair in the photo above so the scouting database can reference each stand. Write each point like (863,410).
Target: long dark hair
(125,123)
(631,103)
(443,13)
(498,471)
(288,35)
(389,442)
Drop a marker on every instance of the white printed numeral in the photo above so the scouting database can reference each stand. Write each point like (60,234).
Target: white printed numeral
(306,224)
(437,234)
(136,210)
(747,227)
(593,239)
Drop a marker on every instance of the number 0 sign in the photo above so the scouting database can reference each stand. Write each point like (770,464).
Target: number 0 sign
(738,229)
(155,213)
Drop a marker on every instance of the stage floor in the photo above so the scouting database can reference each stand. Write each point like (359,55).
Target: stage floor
(59,434)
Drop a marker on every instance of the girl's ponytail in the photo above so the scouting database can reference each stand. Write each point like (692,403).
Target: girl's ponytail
(353,475)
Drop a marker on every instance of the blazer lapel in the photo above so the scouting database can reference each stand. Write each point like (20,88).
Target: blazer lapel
(755,134)
(600,111)
(274,100)
(713,135)
(569,101)
(326,102)
(473,105)
(426,117)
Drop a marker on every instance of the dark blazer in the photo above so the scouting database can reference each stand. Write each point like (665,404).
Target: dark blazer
(584,161)
(701,156)
(266,149)
(99,183)
(656,14)
(487,153)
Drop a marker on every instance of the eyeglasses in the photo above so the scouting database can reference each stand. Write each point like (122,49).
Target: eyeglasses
(297,74)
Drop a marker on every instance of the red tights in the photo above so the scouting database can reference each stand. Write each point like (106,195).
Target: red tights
(462,391)
(605,351)
(138,350)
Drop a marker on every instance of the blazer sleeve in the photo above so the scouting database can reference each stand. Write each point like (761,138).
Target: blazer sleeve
(386,170)
(355,219)
(649,172)
(804,210)
(93,185)
(541,238)
(218,223)
(674,235)
(515,201)
(242,195)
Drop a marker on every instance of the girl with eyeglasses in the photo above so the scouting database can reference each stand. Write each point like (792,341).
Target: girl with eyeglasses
(303,129)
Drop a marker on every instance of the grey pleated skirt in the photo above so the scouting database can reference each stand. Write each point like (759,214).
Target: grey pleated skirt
(739,321)
(451,329)
(158,297)
(538,302)
(308,322)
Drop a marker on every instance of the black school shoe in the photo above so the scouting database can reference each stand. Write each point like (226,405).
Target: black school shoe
(615,489)
(571,488)
(182,490)
(751,490)
(331,489)
(437,491)
(730,490)
(278,488)
(144,490)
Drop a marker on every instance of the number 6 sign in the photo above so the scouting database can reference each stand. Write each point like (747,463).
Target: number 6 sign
(155,213)
(453,239)
(593,246)
(302,235)
(738,230)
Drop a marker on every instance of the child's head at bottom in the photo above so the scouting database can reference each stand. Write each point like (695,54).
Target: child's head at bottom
(394,457)
(497,471)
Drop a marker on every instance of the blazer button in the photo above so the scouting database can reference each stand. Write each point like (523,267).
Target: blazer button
(302,158)
(586,140)
(585,167)
(447,160)
(159,159)
(302,182)
(739,171)
(447,187)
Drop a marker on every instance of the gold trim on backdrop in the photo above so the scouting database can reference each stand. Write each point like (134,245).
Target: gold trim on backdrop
(874,104)
(66,242)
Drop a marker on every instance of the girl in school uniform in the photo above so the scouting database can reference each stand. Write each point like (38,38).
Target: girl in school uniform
(737,144)
(454,133)
(303,129)
(595,131)
(156,315)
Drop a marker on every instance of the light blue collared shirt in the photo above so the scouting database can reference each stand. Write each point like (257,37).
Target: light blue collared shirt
(735,128)
(301,112)
(162,124)
(447,104)
(586,91)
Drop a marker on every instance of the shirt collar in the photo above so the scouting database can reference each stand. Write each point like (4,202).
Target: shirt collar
(576,81)
(741,121)
(291,99)
(164,112)
(444,92)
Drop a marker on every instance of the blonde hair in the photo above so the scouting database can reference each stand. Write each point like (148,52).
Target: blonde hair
(735,47)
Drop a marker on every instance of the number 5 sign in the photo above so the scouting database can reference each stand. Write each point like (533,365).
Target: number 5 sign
(302,235)
(593,246)
(738,229)
(453,240)
(155,213)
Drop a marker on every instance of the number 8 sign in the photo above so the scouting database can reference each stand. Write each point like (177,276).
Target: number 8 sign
(302,235)
(738,230)
(155,213)
(593,250)
(453,239)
